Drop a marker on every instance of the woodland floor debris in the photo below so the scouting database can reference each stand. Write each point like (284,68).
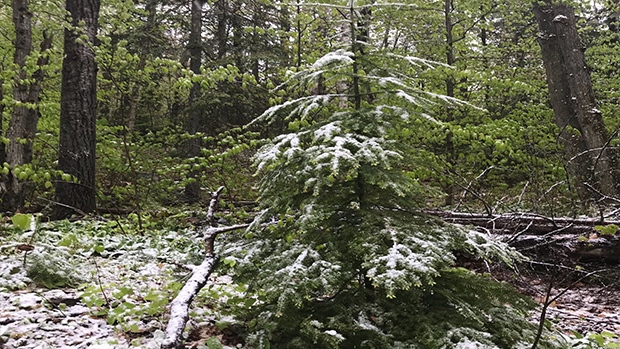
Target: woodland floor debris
(28,320)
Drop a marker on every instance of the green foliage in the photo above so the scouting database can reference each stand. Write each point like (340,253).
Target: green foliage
(604,339)
(340,256)
(126,306)
(21,221)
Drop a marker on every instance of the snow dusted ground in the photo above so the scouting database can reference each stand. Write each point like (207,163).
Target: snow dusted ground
(126,282)
(32,319)
(58,319)
(38,318)
(138,275)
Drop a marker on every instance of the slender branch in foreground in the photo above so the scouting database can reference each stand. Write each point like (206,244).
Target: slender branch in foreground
(548,301)
(179,308)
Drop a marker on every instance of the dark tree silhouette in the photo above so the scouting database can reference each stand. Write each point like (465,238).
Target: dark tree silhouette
(78,102)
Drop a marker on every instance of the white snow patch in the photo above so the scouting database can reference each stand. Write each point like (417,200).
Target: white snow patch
(365,323)
(335,334)
(468,344)
(336,56)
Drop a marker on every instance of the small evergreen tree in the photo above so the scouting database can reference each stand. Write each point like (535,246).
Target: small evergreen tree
(340,255)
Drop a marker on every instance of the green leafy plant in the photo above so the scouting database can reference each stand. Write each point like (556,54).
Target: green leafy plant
(610,229)
(340,254)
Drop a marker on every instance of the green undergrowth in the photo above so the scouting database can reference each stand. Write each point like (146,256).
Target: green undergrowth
(125,275)
(128,276)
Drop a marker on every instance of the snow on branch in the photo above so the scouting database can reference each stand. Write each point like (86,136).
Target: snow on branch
(179,307)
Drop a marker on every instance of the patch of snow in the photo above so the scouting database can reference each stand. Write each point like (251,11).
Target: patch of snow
(335,334)
(468,344)
(27,301)
(332,57)
(364,323)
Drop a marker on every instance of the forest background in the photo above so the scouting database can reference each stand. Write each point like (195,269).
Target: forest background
(177,85)
(180,85)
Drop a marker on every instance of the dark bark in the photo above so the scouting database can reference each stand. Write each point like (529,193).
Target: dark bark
(78,103)
(25,116)
(449,45)
(192,190)
(145,53)
(582,130)
(221,10)
(449,188)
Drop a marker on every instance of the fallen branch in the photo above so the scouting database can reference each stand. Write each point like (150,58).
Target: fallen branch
(179,308)
(547,238)
(522,223)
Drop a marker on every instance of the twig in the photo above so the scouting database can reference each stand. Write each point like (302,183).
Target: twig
(107,301)
(603,196)
(63,205)
(543,314)
(522,193)
(515,236)
(605,146)
(549,301)
(55,306)
(468,189)
(559,266)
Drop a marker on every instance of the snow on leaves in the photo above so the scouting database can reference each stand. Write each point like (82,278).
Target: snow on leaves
(328,152)
(413,259)
(339,56)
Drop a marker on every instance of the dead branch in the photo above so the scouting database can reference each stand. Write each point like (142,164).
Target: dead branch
(522,223)
(546,238)
(179,308)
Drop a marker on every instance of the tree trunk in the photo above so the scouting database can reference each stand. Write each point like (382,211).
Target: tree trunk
(25,116)
(221,10)
(192,190)
(449,188)
(78,101)
(2,146)
(582,130)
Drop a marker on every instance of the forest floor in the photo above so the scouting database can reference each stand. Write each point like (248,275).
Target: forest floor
(133,272)
(35,318)
(582,308)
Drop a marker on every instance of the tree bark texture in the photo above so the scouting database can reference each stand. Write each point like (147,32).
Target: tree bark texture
(582,130)
(25,115)
(78,102)
(192,190)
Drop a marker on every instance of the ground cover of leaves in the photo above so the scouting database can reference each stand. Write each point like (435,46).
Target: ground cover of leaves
(94,285)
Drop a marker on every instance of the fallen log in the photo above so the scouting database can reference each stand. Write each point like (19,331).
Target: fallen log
(546,238)
(179,307)
(526,223)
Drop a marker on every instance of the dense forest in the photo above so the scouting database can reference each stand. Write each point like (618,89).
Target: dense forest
(273,174)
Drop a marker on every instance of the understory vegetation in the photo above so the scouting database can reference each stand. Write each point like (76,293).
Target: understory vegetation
(332,130)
